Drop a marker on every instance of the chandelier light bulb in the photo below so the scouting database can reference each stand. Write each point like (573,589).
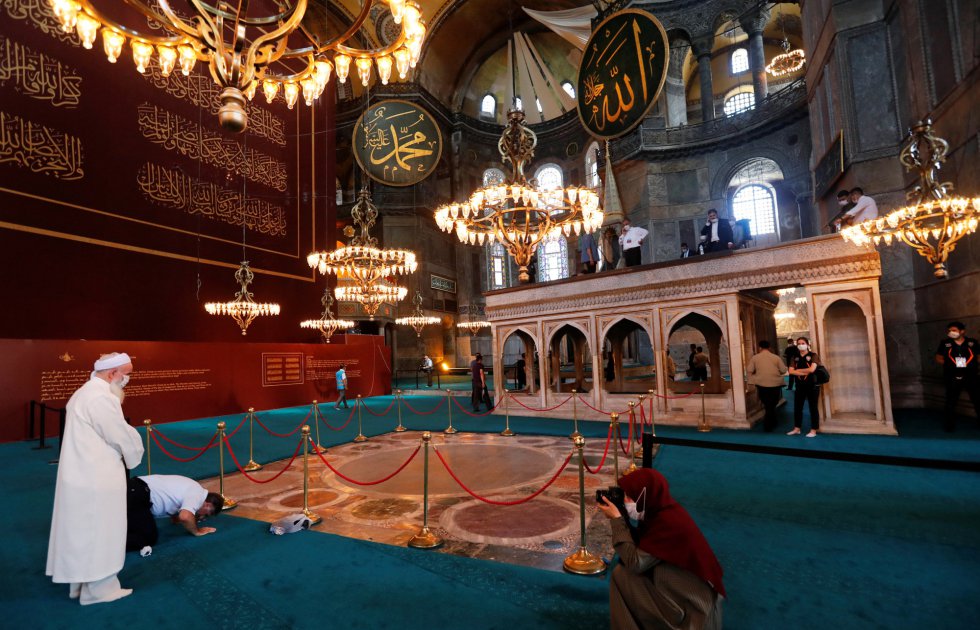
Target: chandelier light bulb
(87,29)
(290,92)
(309,90)
(187,59)
(323,70)
(67,13)
(270,89)
(142,52)
(341,63)
(364,70)
(397,8)
(166,59)
(112,43)
(384,68)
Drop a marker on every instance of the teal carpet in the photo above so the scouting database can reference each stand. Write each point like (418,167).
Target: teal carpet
(804,543)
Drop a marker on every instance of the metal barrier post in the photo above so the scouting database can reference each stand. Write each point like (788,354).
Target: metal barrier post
(449,403)
(575,433)
(425,539)
(313,516)
(398,401)
(252,464)
(148,424)
(229,503)
(582,562)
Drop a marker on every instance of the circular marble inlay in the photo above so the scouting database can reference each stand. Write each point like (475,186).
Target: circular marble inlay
(539,520)
(570,482)
(316,497)
(384,509)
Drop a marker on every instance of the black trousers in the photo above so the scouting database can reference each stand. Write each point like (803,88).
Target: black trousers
(632,256)
(954,387)
(341,398)
(141,527)
(477,395)
(806,394)
(770,398)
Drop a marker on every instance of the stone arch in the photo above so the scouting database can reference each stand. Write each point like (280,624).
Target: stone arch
(737,159)
(628,361)
(515,377)
(568,346)
(717,375)
(848,355)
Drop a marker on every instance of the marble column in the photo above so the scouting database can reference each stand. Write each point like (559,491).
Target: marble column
(675,91)
(754,24)
(702,49)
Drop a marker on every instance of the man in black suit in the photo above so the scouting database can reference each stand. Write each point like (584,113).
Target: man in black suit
(685,252)
(717,234)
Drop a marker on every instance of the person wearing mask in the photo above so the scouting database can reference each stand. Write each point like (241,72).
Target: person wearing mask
(957,354)
(630,242)
(864,208)
(667,575)
(766,371)
(843,206)
(479,381)
(717,234)
(588,252)
(807,390)
(686,252)
(87,546)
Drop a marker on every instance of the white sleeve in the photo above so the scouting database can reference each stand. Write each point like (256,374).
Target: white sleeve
(194,498)
(109,422)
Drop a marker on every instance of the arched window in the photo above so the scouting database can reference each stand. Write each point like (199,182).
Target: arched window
(569,88)
(497,266)
(740,61)
(739,102)
(553,259)
(549,177)
(592,166)
(493,177)
(757,203)
(488,107)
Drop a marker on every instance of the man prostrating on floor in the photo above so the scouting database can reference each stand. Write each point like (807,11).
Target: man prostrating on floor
(184,500)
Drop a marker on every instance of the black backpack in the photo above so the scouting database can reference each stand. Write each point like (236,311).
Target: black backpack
(821,375)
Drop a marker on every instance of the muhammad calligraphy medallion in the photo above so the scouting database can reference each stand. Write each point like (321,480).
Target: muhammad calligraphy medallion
(397,143)
(623,69)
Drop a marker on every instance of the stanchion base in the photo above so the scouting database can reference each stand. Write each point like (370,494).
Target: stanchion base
(360,438)
(252,465)
(425,539)
(631,468)
(313,516)
(229,504)
(575,435)
(400,428)
(582,562)
(507,432)
(450,430)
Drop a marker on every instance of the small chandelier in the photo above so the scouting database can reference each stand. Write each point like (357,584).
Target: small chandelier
(517,213)
(788,62)
(243,309)
(369,269)
(418,320)
(327,325)
(240,49)
(934,221)
(473,326)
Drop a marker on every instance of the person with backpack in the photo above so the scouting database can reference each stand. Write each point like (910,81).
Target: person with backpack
(803,371)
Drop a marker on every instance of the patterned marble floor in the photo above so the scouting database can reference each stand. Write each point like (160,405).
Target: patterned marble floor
(539,533)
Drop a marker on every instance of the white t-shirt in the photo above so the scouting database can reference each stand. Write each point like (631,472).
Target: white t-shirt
(170,494)
(631,238)
(864,209)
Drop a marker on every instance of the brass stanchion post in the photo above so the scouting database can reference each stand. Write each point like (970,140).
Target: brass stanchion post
(506,432)
(638,435)
(398,401)
(614,423)
(629,439)
(582,562)
(147,423)
(449,403)
(252,464)
(228,503)
(703,427)
(425,539)
(653,426)
(316,422)
(360,434)
(575,433)
(313,516)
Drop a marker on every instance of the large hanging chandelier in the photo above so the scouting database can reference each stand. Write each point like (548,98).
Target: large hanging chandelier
(516,212)
(242,49)
(327,324)
(418,320)
(369,271)
(788,62)
(243,309)
(935,220)
(473,326)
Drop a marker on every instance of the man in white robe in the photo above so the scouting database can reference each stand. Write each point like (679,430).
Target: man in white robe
(87,546)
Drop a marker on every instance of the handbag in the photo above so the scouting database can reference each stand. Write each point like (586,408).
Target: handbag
(821,375)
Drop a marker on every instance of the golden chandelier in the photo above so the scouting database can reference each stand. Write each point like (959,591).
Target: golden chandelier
(327,324)
(517,213)
(934,221)
(418,320)
(243,309)
(370,270)
(473,326)
(243,50)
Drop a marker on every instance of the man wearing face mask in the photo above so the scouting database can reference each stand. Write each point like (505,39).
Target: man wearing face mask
(667,576)
(87,546)
(630,241)
(957,354)
(843,206)
(717,234)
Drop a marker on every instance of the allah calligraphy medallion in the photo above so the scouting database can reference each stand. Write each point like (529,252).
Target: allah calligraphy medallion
(397,143)
(623,69)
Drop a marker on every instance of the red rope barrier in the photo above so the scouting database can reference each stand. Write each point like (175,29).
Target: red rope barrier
(545,409)
(477,415)
(282,435)
(273,477)
(425,413)
(204,449)
(366,483)
(622,447)
(605,413)
(604,453)
(492,502)
(341,427)
(378,415)
(179,445)
(238,428)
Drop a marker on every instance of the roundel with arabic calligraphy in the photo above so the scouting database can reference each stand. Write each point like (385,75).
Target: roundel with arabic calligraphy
(623,69)
(397,143)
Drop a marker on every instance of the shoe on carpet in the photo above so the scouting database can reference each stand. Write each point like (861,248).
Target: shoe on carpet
(812,433)
(793,432)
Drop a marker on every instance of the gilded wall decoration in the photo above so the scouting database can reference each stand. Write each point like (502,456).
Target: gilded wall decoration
(397,143)
(37,75)
(173,189)
(39,148)
(38,13)
(179,134)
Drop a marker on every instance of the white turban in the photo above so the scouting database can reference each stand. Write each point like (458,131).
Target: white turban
(112,361)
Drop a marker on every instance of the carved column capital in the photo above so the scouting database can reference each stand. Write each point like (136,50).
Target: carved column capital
(701,46)
(754,22)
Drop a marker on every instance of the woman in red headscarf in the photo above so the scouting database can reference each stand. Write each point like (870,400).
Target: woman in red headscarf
(667,576)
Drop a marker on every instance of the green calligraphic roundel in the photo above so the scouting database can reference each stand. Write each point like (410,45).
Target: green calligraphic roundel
(397,143)
(623,69)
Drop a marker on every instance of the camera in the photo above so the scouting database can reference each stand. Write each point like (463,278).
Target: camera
(615,495)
